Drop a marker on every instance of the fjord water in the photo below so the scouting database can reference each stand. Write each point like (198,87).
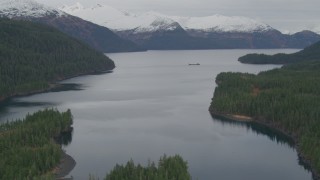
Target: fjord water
(155,103)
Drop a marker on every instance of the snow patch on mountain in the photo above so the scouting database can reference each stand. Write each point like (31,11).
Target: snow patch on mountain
(73,8)
(26,8)
(121,20)
(219,23)
(317,30)
(152,21)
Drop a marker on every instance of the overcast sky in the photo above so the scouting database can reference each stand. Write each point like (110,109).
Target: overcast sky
(285,15)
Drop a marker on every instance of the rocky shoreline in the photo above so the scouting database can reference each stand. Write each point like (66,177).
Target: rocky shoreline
(66,165)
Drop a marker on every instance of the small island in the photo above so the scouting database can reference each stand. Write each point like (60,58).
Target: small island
(287,99)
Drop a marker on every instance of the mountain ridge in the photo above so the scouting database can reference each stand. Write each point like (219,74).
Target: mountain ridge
(152,30)
(26,8)
(122,20)
(98,37)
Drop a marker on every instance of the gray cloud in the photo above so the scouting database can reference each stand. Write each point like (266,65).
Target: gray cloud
(285,15)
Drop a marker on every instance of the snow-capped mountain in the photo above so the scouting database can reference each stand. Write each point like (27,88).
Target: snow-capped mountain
(26,8)
(152,21)
(153,30)
(219,23)
(98,37)
(121,20)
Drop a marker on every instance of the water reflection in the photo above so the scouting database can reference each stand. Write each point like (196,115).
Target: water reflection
(4,106)
(65,138)
(260,129)
(22,103)
(14,103)
(68,87)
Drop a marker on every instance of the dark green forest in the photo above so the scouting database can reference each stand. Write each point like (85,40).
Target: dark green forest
(287,99)
(28,149)
(310,53)
(32,56)
(168,168)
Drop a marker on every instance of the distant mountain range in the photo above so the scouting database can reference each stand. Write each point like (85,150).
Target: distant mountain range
(152,21)
(98,37)
(110,30)
(153,30)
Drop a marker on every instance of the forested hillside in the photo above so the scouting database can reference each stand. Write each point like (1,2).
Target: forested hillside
(308,54)
(287,99)
(27,147)
(32,56)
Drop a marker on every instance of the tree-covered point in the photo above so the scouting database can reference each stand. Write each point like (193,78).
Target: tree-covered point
(169,168)
(32,56)
(27,147)
(310,53)
(286,98)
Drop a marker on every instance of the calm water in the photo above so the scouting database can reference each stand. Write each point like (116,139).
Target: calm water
(154,103)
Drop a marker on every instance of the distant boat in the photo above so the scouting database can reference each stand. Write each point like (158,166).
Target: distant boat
(197,64)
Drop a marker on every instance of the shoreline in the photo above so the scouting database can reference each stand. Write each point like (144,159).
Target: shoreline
(67,164)
(238,118)
(52,85)
(302,159)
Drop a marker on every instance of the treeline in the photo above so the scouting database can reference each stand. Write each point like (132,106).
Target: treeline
(310,53)
(169,168)
(27,147)
(32,56)
(286,98)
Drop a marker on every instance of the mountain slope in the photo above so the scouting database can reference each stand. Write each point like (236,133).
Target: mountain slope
(98,37)
(307,37)
(153,30)
(310,53)
(143,29)
(33,55)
